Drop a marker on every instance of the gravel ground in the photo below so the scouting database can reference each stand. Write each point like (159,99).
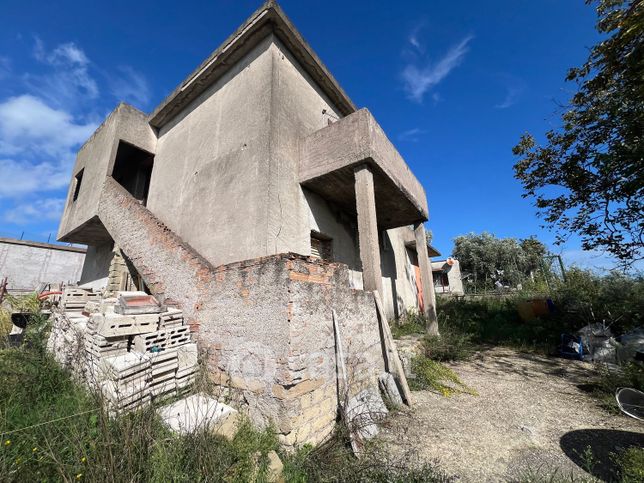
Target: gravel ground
(531,415)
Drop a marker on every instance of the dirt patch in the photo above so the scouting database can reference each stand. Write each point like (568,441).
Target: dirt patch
(530,415)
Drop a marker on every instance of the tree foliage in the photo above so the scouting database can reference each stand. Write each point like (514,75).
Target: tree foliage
(486,259)
(588,177)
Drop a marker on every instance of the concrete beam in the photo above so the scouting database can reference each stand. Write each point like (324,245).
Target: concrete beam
(368,229)
(429,297)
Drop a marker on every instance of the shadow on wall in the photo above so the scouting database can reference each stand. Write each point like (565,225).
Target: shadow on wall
(604,444)
(388,270)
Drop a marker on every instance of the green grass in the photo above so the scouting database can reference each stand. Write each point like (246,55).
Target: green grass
(409,323)
(53,429)
(333,462)
(631,465)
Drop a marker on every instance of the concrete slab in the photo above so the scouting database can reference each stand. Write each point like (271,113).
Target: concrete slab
(198,412)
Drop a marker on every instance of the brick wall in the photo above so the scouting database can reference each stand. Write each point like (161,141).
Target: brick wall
(265,325)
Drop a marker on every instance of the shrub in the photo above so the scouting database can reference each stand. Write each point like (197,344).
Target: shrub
(409,323)
(434,376)
(333,462)
(631,465)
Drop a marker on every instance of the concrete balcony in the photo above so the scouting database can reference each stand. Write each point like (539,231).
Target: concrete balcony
(329,157)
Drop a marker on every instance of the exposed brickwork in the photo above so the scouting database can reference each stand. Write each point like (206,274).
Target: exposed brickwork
(265,324)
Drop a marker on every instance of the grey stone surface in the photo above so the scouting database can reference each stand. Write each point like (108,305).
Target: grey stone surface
(364,411)
(28,264)
(196,412)
(390,389)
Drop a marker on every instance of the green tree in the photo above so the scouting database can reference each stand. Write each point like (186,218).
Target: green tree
(588,178)
(486,259)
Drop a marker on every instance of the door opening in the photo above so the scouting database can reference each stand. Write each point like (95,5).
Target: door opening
(133,170)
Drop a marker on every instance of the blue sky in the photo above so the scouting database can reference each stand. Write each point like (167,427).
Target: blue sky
(453,84)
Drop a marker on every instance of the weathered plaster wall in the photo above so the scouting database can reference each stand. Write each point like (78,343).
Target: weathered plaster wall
(96,267)
(329,220)
(297,106)
(400,292)
(210,178)
(96,158)
(27,264)
(453,276)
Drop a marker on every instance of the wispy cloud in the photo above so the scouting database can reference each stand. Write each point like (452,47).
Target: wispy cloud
(50,111)
(411,135)
(28,124)
(38,143)
(5,66)
(414,37)
(69,81)
(130,86)
(421,76)
(43,209)
(514,88)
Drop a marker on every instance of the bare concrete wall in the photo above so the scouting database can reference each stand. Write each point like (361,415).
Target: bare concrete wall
(400,291)
(210,178)
(96,159)
(455,283)
(297,105)
(97,265)
(27,264)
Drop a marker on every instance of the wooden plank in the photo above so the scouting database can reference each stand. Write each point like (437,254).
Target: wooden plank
(392,352)
(343,393)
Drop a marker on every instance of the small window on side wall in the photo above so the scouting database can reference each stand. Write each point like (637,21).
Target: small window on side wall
(321,247)
(78,179)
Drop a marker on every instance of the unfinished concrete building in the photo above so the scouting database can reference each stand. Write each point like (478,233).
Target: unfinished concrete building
(259,199)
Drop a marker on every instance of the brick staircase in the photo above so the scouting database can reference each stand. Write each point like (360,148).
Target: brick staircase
(171,268)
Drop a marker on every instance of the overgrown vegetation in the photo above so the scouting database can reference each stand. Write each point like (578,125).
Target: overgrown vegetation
(610,378)
(585,297)
(333,462)
(53,429)
(631,465)
(12,303)
(434,376)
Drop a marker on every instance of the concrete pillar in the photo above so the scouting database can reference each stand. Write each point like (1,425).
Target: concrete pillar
(429,297)
(368,229)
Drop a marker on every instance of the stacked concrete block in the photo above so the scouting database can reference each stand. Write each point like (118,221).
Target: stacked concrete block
(170,319)
(131,348)
(100,346)
(162,339)
(74,299)
(164,370)
(125,380)
(116,325)
(134,303)
(186,366)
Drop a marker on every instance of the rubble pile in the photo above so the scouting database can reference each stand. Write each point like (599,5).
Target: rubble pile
(129,347)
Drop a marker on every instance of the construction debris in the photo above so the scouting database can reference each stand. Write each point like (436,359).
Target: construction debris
(129,347)
(198,412)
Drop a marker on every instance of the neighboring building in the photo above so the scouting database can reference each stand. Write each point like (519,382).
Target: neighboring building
(28,264)
(447,277)
(260,199)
